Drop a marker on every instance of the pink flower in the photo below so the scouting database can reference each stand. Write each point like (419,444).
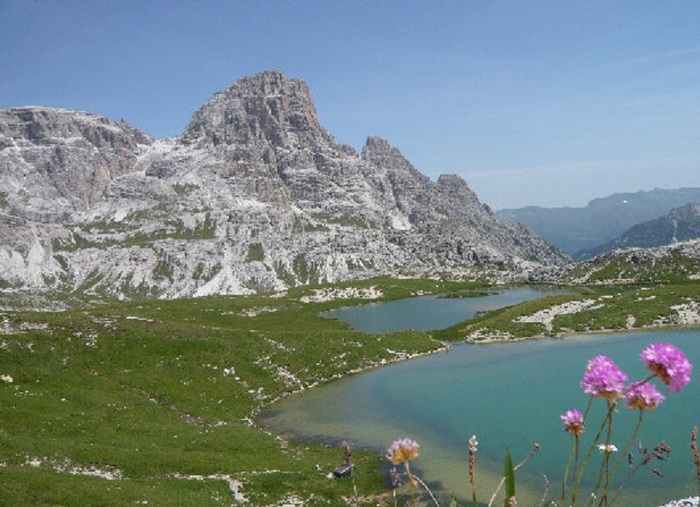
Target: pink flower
(643,396)
(669,363)
(573,421)
(603,378)
(402,450)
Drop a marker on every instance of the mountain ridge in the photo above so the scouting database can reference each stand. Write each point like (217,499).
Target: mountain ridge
(254,196)
(680,224)
(574,229)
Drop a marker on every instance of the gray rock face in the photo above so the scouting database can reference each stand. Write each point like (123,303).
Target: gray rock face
(254,196)
(55,161)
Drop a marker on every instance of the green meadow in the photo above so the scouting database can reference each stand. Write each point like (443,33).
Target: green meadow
(154,402)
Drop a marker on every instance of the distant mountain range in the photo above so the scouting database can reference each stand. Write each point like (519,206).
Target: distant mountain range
(681,224)
(579,231)
(255,195)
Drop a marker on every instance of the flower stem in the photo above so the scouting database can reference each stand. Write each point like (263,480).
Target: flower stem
(694,451)
(573,457)
(606,458)
(413,482)
(624,453)
(579,476)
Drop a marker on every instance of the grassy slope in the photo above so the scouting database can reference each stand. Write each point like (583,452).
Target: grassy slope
(153,392)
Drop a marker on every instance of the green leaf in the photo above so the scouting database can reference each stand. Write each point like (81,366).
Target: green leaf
(510,478)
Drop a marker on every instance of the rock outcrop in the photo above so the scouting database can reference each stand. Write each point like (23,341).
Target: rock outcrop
(254,196)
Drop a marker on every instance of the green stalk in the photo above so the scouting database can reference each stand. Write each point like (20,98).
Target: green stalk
(606,457)
(574,452)
(510,478)
(629,444)
(577,479)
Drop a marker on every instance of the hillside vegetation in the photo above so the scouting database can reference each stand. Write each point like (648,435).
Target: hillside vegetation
(153,402)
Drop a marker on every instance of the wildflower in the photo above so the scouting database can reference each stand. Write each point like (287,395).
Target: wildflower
(473,443)
(7,379)
(403,450)
(573,422)
(603,378)
(643,396)
(607,448)
(473,447)
(669,363)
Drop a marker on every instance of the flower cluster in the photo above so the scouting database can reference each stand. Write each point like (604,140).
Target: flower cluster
(403,450)
(669,364)
(643,396)
(573,422)
(603,378)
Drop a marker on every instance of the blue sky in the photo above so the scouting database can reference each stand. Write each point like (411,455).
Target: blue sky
(532,102)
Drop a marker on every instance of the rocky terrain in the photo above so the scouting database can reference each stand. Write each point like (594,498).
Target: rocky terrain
(678,262)
(255,195)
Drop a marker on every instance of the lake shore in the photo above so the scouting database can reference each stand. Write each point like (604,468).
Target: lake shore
(687,317)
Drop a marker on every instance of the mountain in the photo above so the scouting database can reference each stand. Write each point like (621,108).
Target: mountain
(680,224)
(255,195)
(601,220)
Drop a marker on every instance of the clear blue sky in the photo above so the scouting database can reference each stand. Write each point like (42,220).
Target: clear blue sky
(533,102)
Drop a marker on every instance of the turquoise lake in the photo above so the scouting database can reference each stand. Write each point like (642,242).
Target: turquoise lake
(432,312)
(508,395)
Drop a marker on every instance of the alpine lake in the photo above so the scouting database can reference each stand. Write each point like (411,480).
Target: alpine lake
(510,395)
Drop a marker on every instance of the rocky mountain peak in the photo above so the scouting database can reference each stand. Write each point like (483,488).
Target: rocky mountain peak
(380,153)
(267,108)
(254,196)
